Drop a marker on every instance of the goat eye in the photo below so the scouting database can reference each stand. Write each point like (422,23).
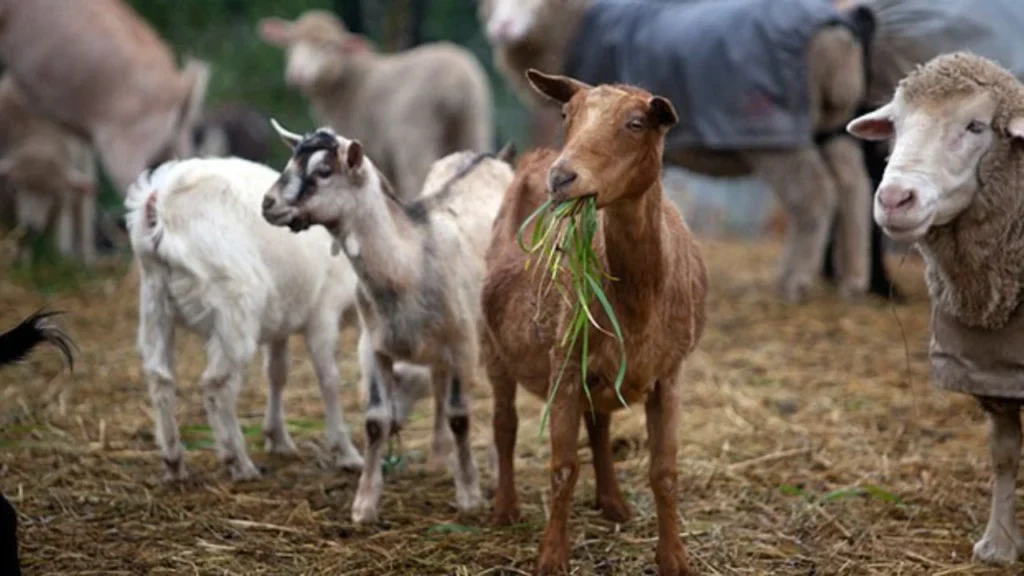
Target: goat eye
(635,124)
(975,127)
(323,171)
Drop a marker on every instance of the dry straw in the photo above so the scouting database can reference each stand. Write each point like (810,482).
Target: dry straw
(563,236)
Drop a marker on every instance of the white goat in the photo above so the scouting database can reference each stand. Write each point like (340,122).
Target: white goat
(420,268)
(210,262)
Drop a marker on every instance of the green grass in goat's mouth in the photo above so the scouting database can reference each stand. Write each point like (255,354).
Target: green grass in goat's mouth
(563,241)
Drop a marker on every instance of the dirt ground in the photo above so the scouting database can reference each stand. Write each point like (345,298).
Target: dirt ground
(810,444)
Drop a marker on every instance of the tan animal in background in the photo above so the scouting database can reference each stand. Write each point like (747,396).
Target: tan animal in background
(613,150)
(409,109)
(47,174)
(101,72)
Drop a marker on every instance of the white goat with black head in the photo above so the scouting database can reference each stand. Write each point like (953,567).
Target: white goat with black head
(420,268)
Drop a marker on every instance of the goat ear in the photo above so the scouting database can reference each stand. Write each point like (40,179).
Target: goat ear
(1016,127)
(662,112)
(875,125)
(291,139)
(275,31)
(354,43)
(556,88)
(354,155)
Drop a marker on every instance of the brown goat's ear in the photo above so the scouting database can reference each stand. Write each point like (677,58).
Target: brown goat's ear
(1016,127)
(559,89)
(275,31)
(354,155)
(662,112)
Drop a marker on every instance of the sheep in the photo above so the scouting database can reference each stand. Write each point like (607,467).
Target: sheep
(46,170)
(101,72)
(409,109)
(233,130)
(953,186)
(615,136)
(212,264)
(776,145)
(419,266)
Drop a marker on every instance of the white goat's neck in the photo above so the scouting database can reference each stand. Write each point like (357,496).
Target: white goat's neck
(545,47)
(381,241)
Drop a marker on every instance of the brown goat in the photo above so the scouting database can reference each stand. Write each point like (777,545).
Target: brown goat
(614,143)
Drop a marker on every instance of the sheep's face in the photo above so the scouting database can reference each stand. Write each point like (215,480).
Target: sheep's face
(614,140)
(510,21)
(317,46)
(939,144)
(321,184)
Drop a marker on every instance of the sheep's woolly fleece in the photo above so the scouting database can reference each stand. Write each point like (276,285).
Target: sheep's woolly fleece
(976,263)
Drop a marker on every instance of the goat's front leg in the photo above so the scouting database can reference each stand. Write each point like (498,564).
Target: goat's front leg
(609,497)
(467,478)
(379,416)
(156,344)
(275,365)
(565,466)
(322,342)
(1002,542)
(221,382)
(663,411)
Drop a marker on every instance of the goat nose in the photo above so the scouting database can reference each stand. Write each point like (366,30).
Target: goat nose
(560,178)
(268,203)
(896,197)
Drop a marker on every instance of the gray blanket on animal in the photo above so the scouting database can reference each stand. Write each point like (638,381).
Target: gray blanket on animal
(735,70)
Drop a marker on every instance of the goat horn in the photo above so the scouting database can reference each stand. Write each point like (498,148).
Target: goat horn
(289,137)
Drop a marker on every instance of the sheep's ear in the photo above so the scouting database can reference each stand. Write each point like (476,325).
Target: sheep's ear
(556,88)
(875,125)
(354,155)
(291,139)
(1016,127)
(661,111)
(275,31)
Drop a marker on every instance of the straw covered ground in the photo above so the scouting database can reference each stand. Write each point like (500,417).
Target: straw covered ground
(810,444)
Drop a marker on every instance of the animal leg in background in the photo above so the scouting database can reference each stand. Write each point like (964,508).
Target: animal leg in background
(443,443)
(853,223)
(276,438)
(505,422)
(1002,542)
(807,191)
(609,497)
(322,342)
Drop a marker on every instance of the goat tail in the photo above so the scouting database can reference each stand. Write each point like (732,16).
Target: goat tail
(15,344)
(143,206)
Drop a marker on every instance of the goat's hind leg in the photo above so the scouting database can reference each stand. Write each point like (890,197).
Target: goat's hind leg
(156,345)
(443,443)
(1002,542)
(276,438)
(609,497)
(467,478)
(221,382)
(506,426)
(379,415)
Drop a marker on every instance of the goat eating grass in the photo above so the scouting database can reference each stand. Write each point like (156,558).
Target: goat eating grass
(612,157)
(420,266)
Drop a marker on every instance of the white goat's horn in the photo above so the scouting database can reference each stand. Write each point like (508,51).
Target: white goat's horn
(290,138)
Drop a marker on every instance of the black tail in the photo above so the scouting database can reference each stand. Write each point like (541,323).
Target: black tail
(16,343)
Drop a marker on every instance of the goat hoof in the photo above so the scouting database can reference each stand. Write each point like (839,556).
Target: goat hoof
(615,509)
(997,549)
(468,498)
(671,559)
(364,513)
(279,442)
(244,473)
(553,559)
(507,516)
(349,461)
(174,470)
